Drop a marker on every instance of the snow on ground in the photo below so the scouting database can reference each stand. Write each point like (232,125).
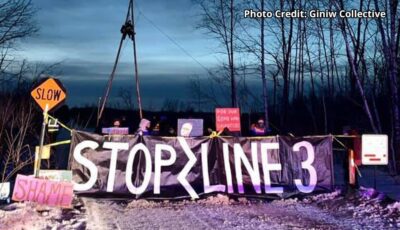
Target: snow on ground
(360,209)
(29,215)
(367,206)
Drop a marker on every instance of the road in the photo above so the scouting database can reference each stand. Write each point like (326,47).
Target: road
(324,211)
(221,213)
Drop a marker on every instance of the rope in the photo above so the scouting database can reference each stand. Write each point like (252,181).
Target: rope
(59,143)
(215,134)
(346,136)
(261,137)
(341,143)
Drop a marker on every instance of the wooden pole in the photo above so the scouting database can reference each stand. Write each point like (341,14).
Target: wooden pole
(103,100)
(43,132)
(139,99)
(109,85)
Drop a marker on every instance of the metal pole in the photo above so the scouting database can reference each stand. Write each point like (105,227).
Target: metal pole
(139,99)
(39,156)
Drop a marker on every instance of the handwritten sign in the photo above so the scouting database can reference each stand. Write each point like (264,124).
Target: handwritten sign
(56,175)
(190,127)
(227,118)
(115,131)
(45,152)
(374,149)
(46,192)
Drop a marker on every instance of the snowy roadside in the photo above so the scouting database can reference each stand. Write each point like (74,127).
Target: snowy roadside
(365,205)
(364,209)
(29,215)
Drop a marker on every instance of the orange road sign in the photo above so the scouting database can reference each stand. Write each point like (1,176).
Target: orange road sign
(49,92)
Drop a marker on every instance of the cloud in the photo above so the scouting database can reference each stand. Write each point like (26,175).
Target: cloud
(84,37)
(90,29)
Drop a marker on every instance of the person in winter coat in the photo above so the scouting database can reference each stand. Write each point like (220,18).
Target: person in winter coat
(144,127)
(258,129)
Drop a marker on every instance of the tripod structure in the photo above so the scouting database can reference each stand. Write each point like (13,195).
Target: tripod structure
(128,28)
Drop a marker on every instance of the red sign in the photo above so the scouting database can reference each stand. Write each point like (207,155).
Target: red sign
(227,118)
(29,188)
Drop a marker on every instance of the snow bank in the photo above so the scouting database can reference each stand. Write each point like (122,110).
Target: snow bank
(27,215)
(366,204)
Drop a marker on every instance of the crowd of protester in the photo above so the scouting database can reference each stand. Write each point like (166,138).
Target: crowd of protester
(164,127)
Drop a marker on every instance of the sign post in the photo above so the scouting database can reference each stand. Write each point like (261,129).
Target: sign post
(48,95)
(42,133)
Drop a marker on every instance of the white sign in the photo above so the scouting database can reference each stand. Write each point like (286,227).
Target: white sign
(56,175)
(4,190)
(53,125)
(190,127)
(374,149)
(115,131)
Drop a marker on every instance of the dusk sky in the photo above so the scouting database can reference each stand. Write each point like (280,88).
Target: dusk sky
(84,37)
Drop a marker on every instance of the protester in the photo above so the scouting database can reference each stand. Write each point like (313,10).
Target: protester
(144,127)
(116,123)
(156,130)
(258,129)
(127,29)
(171,132)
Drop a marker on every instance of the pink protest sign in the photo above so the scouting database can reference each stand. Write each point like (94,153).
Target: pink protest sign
(46,192)
(228,118)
